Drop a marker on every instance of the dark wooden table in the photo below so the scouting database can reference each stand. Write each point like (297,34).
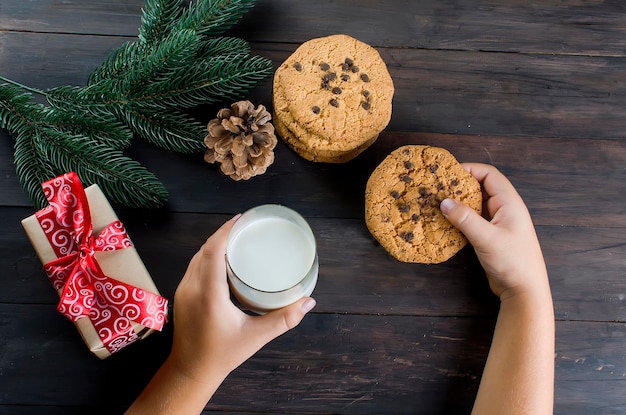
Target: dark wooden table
(537,88)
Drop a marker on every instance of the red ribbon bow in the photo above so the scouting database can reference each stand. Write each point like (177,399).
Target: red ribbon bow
(111,305)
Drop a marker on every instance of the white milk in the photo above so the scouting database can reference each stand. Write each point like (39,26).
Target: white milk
(271,252)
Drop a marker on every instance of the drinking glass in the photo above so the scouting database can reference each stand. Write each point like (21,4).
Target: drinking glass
(271,258)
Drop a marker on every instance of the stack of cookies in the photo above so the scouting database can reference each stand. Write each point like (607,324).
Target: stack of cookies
(402,199)
(332,97)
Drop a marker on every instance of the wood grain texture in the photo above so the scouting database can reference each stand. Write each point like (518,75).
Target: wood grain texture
(577,28)
(371,281)
(565,182)
(457,92)
(535,88)
(342,364)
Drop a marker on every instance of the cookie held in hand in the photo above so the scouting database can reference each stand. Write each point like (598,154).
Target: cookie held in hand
(402,200)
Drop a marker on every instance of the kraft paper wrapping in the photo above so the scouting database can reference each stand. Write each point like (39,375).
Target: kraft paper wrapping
(124,265)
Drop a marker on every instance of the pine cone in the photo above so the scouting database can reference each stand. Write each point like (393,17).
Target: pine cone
(242,140)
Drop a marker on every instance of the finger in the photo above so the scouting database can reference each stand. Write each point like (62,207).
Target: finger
(194,277)
(492,181)
(277,322)
(474,227)
(212,266)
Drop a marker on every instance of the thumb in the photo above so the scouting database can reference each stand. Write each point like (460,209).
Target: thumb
(277,322)
(464,218)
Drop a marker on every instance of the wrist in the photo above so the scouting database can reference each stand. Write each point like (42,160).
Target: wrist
(532,284)
(535,300)
(195,373)
(173,391)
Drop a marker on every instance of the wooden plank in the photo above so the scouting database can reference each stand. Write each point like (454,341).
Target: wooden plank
(342,363)
(49,60)
(469,92)
(564,182)
(62,370)
(561,187)
(101,17)
(385,337)
(578,27)
(585,265)
(436,91)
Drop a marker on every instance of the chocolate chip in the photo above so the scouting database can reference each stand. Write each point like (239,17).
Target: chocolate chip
(406,178)
(433,168)
(366,105)
(355,69)
(325,66)
(349,62)
(395,194)
(454,182)
(366,93)
(415,217)
(316,109)
(325,85)
(406,151)
(364,77)
(329,77)
(408,165)
(440,186)
(334,102)
(407,236)
(345,77)
(422,191)
(336,90)
(297,66)
(345,67)
(404,207)
(458,192)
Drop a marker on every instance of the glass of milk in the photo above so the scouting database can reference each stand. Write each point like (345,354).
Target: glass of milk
(271,258)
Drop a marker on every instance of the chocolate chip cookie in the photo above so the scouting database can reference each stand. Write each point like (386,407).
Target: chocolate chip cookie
(402,200)
(332,97)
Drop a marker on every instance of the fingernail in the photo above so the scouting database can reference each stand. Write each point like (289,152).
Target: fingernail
(234,218)
(447,205)
(308,305)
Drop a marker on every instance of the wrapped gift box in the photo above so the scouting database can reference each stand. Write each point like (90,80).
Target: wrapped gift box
(123,266)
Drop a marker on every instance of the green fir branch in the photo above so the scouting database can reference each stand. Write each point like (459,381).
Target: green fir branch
(211,18)
(220,46)
(169,130)
(90,99)
(31,169)
(206,82)
(19,115)
(176,51)
(157,19)
(177,62)
(107,131)
(17,108)
(116,66)
(122,179)
(49,143)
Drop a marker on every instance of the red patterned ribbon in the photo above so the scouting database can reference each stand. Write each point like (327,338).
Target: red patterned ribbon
(111,305)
